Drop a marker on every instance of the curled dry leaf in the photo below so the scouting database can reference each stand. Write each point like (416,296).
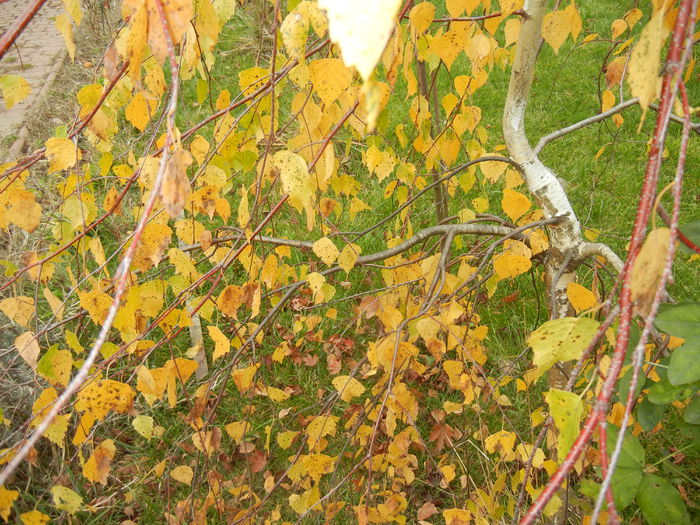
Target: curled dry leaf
(176,184)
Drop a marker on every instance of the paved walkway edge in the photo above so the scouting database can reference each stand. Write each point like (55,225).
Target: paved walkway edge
(18,146)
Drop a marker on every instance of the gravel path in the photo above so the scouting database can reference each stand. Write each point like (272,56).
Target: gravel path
(37,56)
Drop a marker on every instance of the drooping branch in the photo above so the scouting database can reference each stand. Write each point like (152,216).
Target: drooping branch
(122,275)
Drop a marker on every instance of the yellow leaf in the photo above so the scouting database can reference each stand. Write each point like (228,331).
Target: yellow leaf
(300,503)
(183,474)
(178,14)
(73,9)
(361,29)
(508,6)
(199,147)
(319,427)
(243,377)
(66,499)
(457,516)
(348,256)
(229,300)
(560,340)
(285,439)
(189,231)
(348,387)
(316,465)
(643,67)
(480,204)
(608,100)
(556,26)
(575,20)
(176,185)
(325,250)
(140,110)
(14,89)
(515,204)
(19,207)
(501,442)
(243,213)
(154,241)
(96,468)
(28,348)
(421,16)
(222,345)
(618,27)
(580,297)
(136,39)
(330,78)
(512,31)
(183,264)
(96,303)
(65,27)
(648,269)
(55,366)
(237,430)
(143,425)
(566,409)
(62,153)
(508,265)
(7,497)
(99,397)
(277,395)
(296,181)
(34,517)
(294,31)
(19,309)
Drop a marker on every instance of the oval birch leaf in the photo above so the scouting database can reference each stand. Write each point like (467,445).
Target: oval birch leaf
(560,340)
(648,268)
(643,67)
(361,29)
(566,409)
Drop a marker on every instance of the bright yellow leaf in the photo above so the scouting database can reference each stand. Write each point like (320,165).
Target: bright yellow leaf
(19,309)
(580,297)
(34,517)
(183,474)
(560,340)
(14,89)
(348,387)
(96,468)
(325,250)
(7,497)
(361,29)
(514,204)
(62,153)
(66,499)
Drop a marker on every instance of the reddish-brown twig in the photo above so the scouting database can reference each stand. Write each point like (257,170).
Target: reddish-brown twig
(685,14)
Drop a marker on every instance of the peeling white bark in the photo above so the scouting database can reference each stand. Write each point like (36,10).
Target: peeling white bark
(565,236)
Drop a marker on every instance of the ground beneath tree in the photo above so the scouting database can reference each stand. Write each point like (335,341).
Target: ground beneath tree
(37,55)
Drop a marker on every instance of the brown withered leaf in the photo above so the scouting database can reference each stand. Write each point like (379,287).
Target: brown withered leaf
(648,269)
(442,434)
(333,364)
(310,359)
(257,460)
(176,185)
(368,306)
(427,509)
